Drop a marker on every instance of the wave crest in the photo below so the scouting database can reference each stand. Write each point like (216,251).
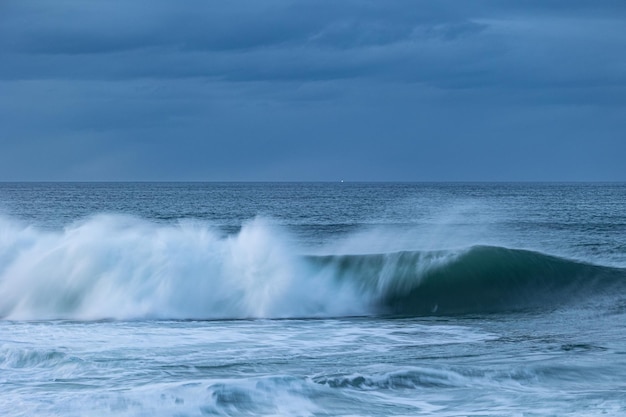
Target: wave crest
(126,268)
(481,279)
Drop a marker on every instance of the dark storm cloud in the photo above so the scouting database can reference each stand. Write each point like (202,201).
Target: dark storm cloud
(312,89)
(74,27)
(440,42)
(236,40)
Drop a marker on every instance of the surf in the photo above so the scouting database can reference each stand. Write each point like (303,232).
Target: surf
(126,268)
(479,279)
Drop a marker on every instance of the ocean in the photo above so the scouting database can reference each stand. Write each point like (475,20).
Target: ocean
(312,299)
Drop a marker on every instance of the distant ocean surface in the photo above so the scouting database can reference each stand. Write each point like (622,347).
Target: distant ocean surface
(312,299)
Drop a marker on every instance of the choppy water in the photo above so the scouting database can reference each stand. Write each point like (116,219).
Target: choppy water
(312,299)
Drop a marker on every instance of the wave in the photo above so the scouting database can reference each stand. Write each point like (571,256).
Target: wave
(480,279)
(408,378)
(12,357)
(120,267)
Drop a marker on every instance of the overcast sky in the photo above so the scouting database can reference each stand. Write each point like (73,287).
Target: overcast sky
(387,90)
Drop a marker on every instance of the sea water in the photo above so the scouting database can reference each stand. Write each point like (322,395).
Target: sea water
(312,299)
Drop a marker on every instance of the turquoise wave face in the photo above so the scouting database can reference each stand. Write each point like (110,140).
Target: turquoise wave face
(481,279)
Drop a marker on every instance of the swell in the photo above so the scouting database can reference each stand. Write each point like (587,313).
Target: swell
(480,279)
(120,267)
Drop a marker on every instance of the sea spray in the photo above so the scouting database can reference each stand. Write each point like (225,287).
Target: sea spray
(113,266)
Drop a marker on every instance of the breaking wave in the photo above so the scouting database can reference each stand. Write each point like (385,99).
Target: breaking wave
(122,267)
(480,279)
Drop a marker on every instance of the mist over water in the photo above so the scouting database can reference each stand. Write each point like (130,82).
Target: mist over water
(122,267)
(352,299)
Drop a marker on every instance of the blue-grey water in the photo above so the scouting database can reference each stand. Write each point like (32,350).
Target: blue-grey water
(199,299)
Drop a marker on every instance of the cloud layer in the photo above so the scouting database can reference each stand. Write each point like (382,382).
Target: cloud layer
(312,90)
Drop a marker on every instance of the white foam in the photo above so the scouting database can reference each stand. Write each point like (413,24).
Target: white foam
(113,266)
